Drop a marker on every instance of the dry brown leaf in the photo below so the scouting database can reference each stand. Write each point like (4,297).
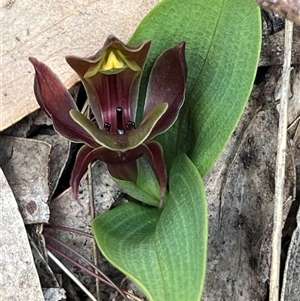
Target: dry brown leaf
(19,278)
(33,126)
(291,284)
(25,164)
(58,158)
(240,190)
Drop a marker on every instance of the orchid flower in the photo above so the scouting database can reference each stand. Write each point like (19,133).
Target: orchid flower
(111,79)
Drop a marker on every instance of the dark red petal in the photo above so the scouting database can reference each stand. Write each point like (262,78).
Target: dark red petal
(124,167)
(56,102)
(106,92)
(155,153)
(125,171)
(87,155)
(80,167)
(167,84)
(113,91)
(121,164)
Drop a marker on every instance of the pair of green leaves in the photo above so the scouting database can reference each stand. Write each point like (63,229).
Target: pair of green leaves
(165,252)
(162,252)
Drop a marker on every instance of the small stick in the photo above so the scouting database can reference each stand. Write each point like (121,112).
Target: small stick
(92,212)
(280,165)
(104,279)
(67,229)
(72,276)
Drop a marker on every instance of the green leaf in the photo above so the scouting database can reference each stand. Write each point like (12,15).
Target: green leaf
(223,40)
(164,253)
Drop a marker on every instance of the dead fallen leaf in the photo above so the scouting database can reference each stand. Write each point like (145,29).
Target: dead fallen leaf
(60,149)
(240,190)
(291,284)
(25,165)
(19,278)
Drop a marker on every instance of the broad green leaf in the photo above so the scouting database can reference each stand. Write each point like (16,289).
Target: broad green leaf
(164,253)
(223,40)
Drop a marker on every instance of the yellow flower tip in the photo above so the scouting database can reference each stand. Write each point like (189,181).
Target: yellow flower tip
(113,62)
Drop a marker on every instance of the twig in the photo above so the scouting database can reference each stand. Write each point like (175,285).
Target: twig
(62,228)
(104,279)
(72,276)
(42,258)
(280,165)
(92,211)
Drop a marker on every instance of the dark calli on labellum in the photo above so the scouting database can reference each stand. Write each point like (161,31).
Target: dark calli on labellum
(111,79)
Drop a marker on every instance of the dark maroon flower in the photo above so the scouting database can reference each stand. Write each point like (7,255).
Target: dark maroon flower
(111,78)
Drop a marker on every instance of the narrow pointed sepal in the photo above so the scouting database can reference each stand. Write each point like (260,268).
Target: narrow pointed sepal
(56,102)
(155,153)
(82,161)
(87,155)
